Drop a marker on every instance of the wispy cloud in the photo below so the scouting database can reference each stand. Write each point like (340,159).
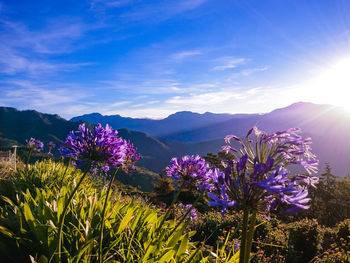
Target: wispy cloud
(31,94)
(58,36)
(211,98)
(12,63)
(118,3)
(136,85)
(68,99)
(247,72)
(102,4)
(184,54)
(161,10)
(229,63)
(120,103)
(29,51)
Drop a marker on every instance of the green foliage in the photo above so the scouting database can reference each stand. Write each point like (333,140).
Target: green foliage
(215,159)
(141,178)
(163,185)
(305,239)
(29,223)
(330,200)
(32,201)
(270,241)
(343,232)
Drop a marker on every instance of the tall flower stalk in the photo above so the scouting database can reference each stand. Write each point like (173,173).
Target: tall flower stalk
(256,180)
(34,145)
(99,148)
(191,171)
(127,165)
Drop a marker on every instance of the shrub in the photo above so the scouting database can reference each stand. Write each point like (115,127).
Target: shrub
(269,239)
(329,238)
(304,241)
(343,231)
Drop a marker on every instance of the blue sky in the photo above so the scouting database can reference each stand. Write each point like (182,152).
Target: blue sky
(152,58)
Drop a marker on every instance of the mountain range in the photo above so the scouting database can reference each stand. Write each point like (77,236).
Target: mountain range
(191,133)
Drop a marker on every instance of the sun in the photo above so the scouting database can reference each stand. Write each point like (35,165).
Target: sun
(331,85)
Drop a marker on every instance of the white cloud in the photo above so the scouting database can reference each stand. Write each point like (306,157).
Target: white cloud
(24,50)
(12,63)
(118,3)
(184,54)
(101,4)
(190,4)
(155,12)
(56,37)
(229,63)
(121,103)
(212,98)
(246,72)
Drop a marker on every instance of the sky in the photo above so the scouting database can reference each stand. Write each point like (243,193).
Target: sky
(140,58)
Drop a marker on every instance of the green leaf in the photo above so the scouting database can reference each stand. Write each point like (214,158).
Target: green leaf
(125,220)
(28,213)
(167,257)
(6,232)
(182,248)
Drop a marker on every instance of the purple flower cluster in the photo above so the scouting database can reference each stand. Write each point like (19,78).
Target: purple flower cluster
(35,144)
(260,188)
(51,146)
(130,157)
(295,149)
(193,212)
(286,147)
(192,170)
(258,180)
(101,146)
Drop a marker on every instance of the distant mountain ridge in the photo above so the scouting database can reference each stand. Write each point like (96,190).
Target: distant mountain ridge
(328,126)
(177,122)
(17,126)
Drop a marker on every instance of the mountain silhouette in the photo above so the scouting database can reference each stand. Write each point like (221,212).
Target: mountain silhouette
(192,133)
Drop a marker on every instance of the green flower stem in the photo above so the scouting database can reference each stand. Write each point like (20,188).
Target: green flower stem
(28,158)
(250,236)
(166,214)
(244,235)
(186,214)
(100,254)
(170,207)
(64,213)
(65,171)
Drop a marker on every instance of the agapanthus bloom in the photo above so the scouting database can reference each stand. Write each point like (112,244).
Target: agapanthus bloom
(51,146)
(192,213)
(130,157)
(258,180)
(285,147)
(192,170)
(101,147)
(35,144)
(260,188)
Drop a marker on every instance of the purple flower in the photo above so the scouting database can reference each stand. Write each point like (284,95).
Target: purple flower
(101,147)
(35,144)
(229,137)
(192,170)
(285,147)
(236,245)
(193,211)
(258,179)
(50,145)
(221,201)
(130,157)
